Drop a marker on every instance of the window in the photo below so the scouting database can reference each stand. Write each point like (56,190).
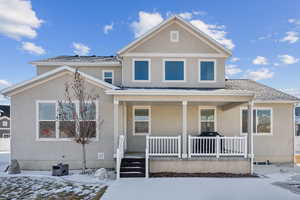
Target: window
(141,120)
(66,121)
(207,119)
(108,76)
(174,70)
(207,70)
(89,120)
(262,121)
(174,36)
(56,123)
(141,70)
(47,120)
(4,123)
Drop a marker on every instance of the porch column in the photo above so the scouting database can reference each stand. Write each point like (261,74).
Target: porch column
(184,129)
(125,123)
(116,124)
(250,133)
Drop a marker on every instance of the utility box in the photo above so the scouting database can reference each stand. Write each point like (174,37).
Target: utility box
(60,170)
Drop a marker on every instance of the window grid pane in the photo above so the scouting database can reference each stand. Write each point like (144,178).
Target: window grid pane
(261,121)
(207,70)
(47,111)
(174,70)
(141,70)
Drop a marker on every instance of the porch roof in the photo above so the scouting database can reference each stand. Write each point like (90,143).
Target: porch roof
(179,92)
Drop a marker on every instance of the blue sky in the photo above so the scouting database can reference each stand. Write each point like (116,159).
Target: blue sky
(264,36)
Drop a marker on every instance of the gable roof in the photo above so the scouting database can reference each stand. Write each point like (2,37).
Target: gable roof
(4,111)
(169,20)
(79,60)
(262,92)
(23,85)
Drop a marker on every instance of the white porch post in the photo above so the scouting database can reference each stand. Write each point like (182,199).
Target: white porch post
(250,133)
(116,124)
(125,124)
(184,129)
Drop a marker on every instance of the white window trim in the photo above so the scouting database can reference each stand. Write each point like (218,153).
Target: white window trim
(164,70)
(133,69)
(199,117)
(133,119)
(96,139)
(256,108)
(112,75)
(177,34)
(215,71)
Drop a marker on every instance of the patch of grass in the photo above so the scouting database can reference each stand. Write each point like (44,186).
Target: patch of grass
(100,193)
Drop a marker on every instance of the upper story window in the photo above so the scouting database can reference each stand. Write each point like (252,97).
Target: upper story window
(207,70)
(174,70)
(262,121)
(141,70)
(174,36)
(108,76)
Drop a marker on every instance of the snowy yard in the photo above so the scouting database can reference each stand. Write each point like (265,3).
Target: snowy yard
(41,185)
(275,182)
(262,188)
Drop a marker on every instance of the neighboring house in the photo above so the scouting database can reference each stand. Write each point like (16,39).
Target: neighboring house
(156,96)
(4,121)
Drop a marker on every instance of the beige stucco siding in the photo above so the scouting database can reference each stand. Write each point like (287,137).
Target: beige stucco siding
(157,77)
(160,43)
(95,71)
(166,119)
(34,154)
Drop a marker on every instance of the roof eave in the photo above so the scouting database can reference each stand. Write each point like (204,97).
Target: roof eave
(104,64)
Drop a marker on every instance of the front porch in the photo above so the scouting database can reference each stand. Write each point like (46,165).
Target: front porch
(166,129)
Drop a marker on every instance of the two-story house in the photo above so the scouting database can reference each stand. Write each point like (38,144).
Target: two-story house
(163,98)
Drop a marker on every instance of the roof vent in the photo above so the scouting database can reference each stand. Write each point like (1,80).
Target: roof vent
(93,55)
(76,56)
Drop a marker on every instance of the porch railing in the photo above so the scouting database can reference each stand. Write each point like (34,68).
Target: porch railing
(120,154)
(164,145)
(217,146)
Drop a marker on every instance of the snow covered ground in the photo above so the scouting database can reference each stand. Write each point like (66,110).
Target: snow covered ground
(41,185)
(210,188)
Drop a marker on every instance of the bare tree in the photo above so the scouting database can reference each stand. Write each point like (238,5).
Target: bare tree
(77,114)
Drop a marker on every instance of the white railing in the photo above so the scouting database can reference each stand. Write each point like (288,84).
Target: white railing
(164,145)
(217,146)
(120,154)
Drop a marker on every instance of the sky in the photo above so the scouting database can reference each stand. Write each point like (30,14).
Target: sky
(264,36)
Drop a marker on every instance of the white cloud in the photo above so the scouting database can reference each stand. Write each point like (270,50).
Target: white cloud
(4,83)
(108,27)
(260,60)
(234,59)
(186,15)
(80,49)
(217,32)
(33,48)
(17,19)
(294,21)
(145,22)
(260,74)
(291,37)
(232,70)
(292,91)
(287,59)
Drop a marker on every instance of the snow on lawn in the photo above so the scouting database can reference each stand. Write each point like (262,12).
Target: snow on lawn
(41,185)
